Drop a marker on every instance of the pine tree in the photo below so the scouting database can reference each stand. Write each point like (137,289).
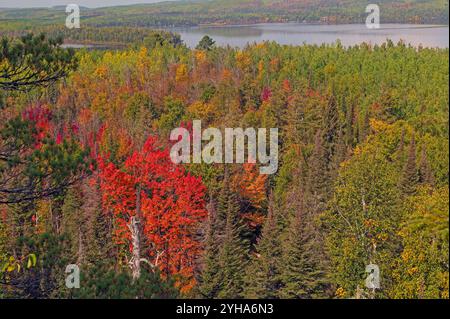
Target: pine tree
(263,275)
(206,44)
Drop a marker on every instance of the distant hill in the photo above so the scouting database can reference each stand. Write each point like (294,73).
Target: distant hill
(190,13)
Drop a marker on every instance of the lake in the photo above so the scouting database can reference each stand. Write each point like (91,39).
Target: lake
(297,33)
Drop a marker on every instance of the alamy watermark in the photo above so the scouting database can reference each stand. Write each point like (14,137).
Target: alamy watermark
(73,19)
(73,277)
(373,279)
(262,145)
(373,19)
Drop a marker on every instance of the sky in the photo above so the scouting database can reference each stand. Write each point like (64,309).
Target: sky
(86,3)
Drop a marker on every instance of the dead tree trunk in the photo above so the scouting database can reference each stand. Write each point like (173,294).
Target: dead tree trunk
(135,229)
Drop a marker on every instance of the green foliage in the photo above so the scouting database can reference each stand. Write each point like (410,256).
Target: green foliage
(363,174)
(263,273)
(232,252)
(210,281)
(102,282)
(301,276)
(47,168)
(173,116)
(422,267)
(45,276)
(364,219)
(33,61)
(162,38)
(206,43)
(238,12)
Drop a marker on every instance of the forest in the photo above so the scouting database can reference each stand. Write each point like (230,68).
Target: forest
(86,178)
(224,12)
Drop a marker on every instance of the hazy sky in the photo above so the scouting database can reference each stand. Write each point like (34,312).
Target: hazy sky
(86,3)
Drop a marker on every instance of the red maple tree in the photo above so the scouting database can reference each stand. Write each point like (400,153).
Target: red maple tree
(170,203)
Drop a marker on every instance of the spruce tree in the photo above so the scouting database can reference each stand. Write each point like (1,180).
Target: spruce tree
(100,245)
(210,282)
(426,175)
(332,127)
(312,204)
(233,251)
(301,275)
(318,169)
(410,177)
(263,275)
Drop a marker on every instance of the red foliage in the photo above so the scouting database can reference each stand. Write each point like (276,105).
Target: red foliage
(266,94)
(41,116)
(172,206)
(287,86)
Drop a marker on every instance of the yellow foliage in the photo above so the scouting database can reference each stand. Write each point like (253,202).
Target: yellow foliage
(200,56)
(201,110)
(340,292)
(260,69)
(101,72)
(330,69)
(243,60)
(379,126)
(182,73)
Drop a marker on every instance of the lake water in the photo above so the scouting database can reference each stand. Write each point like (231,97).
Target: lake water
(297,33)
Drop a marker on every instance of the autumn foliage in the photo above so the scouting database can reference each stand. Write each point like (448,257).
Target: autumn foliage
(172,204)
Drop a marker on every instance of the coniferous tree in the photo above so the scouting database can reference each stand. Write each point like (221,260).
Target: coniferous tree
(99,225)
(33,61)
(425,173)
(410,177)
(206,43)
(314,203)
(210,282)
(233,251)
(318,170)
(332,128)
(263,274)
(301,275)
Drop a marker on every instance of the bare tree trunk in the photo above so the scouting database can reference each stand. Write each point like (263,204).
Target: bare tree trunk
(135,229)
(136,250)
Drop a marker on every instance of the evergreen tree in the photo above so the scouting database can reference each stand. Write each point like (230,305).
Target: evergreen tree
(99,241)
(33,61)
(410,177)
(263,275)
(210,282)
(425,173)
(317,169)
(206,43)
(233,251)
(332,128)
(301,275)
(314,203)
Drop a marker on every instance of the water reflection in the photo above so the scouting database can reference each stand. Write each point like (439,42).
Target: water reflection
(297,33)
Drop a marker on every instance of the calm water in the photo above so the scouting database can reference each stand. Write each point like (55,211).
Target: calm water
(296,33)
